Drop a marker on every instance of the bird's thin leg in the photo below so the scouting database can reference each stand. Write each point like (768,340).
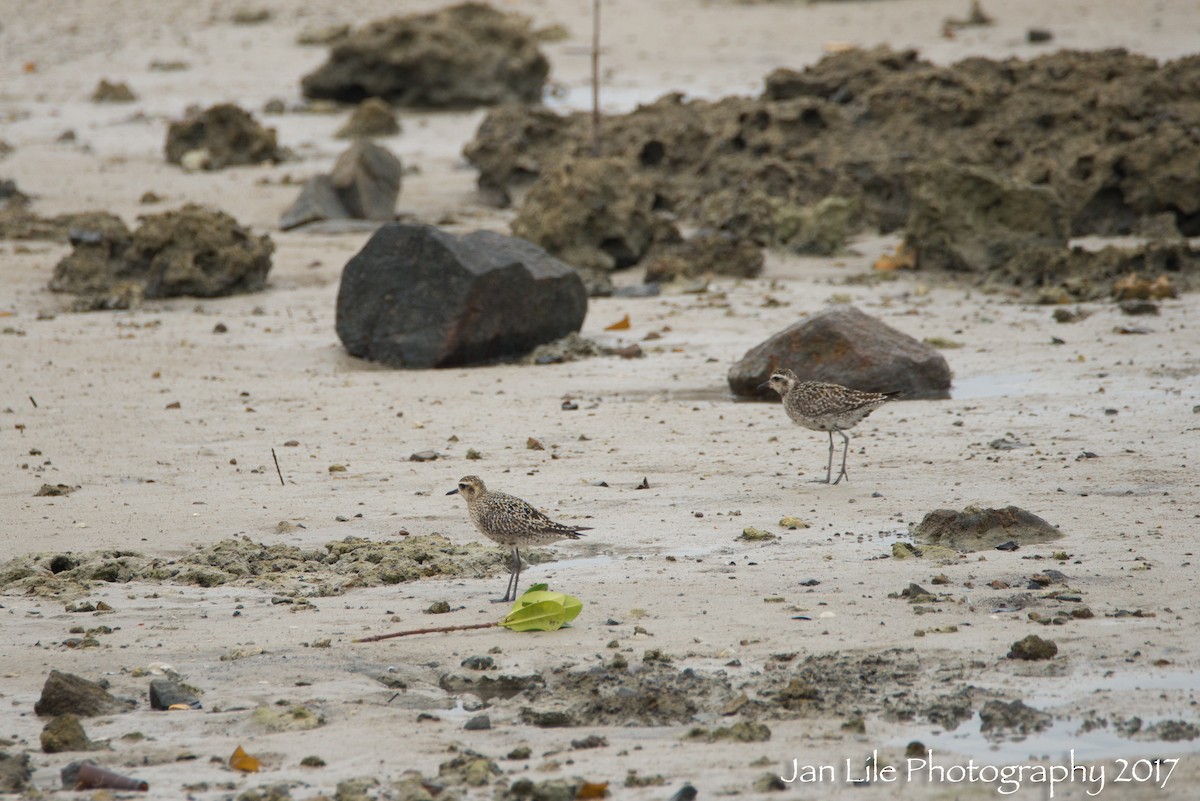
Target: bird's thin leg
(829,466)
(508,588)
(517,575)
(845,449)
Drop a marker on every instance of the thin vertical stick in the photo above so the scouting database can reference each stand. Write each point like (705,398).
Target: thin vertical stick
(595,77)
(278,472)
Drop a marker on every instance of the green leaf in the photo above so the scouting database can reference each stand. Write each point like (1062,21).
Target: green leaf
(541,610)
(537,588)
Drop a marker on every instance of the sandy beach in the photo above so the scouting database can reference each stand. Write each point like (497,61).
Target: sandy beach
(165,430)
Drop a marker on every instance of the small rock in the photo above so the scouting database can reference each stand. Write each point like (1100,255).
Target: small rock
(1137,307)
(15,772)
(479,662)
(118,92)
(324,35)
(534,445)
(166,693)
(372,117)
(1038,35)
(792,523)
(438,608)
(752,534)
(976,528)
(423,456)
(65,733)
(1032,648)
(53,491)
(228,134)
(363,185)
(478,723)
(65,693)
(997,718)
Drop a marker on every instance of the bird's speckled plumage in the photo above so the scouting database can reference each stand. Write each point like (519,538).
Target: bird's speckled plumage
(826,407)
(510,521)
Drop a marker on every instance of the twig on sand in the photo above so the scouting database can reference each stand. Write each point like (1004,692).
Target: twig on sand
(277,470)
(435,630)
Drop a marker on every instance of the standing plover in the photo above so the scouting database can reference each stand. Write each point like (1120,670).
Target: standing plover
(512,522)
(826,407)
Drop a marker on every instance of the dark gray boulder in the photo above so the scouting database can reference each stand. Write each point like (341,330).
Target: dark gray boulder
(416,296)
(364,185)
(462,56)
(842,345)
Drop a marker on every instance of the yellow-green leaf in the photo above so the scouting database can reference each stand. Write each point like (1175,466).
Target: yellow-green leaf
(538,609)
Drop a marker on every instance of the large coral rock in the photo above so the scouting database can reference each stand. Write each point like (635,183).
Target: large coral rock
(971,219)
(842,345)
(416,296)
(463,56)
(221,136)
(191,251)
(595,214)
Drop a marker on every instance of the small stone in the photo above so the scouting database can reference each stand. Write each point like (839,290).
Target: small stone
(118,92)
(337,468)
(474,455)
(792,523)
(752,534)
(220,328)
(1033,648)
(423,456)
(478,723)
(1038,35)
(438,608)
(479,663)
(165,693)
(65,733)
(312,762)
(520,752)
(534,445)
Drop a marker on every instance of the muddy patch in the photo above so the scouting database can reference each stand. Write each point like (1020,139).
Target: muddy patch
(331,569)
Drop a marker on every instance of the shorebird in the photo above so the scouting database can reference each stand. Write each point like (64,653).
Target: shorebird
(825,407)
(512,522)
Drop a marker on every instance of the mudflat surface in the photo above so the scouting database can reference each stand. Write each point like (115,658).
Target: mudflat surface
(1094,432)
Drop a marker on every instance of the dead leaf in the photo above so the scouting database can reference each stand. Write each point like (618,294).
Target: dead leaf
(620,325)
(903,258)
(244,762)
(592,790)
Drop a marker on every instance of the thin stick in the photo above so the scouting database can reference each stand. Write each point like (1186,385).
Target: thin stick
(438,630)
(595,77)
(31,400)
(277,470)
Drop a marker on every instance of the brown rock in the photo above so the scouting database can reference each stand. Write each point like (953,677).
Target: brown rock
(462,56)
(372,117)
(67,694)
(65,733)
(842,345)
(1033,648)
(118,92)
(225,134)
(592,213)
(706,253)
(975,529)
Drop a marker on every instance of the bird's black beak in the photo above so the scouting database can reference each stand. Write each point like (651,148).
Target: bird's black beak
(764,385)
(453,491)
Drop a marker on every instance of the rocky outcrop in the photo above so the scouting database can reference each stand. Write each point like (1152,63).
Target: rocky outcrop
(462,56)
